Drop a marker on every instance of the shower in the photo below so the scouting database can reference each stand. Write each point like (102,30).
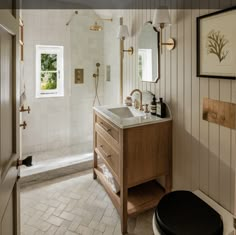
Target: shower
(96,26)
(96,82)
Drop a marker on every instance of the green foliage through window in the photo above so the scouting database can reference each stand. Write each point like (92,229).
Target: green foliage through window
(48,62)
(48,71)
(48,80)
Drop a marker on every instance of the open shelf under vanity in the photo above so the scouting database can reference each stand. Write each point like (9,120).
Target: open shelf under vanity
(140,198)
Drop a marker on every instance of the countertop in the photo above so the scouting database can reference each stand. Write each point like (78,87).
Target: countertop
(124,123)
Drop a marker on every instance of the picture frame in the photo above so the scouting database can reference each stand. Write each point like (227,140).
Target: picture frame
(216,44)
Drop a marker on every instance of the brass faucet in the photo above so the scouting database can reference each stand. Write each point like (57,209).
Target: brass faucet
(141,98)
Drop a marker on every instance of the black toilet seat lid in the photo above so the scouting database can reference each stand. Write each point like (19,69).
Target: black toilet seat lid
(183,213)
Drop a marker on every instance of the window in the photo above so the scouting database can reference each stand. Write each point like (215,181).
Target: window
(49,71)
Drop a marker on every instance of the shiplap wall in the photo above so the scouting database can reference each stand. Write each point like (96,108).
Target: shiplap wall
(203,153)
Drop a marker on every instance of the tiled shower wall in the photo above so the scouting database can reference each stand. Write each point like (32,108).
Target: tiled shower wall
(112,58)
(203,153)
(63,121)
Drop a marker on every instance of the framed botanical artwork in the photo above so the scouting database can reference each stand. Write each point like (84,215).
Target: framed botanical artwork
(216,44)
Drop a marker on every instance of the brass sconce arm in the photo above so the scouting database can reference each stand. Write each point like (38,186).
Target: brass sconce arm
(170,44)
(130,51)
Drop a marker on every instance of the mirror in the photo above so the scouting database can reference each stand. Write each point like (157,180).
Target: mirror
(148,54)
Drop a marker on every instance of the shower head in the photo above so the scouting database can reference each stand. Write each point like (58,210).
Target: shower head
(96,27)
(98,64)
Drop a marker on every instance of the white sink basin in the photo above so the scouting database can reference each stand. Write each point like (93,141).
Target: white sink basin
(126,112)
(127,117)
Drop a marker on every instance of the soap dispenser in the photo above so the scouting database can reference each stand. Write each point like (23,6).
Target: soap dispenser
(161,108)
(153,105)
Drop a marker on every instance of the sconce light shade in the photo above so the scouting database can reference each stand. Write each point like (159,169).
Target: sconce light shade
(123,32)
(161,16)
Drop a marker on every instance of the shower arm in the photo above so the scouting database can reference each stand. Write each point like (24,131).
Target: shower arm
(104,19)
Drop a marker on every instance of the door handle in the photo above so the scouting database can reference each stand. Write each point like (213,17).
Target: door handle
(23,109)
(24,124)
(27,162)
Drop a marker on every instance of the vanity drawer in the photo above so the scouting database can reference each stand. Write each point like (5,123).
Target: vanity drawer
(108,128)
(108,155)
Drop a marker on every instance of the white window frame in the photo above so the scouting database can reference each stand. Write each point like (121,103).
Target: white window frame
(59,51)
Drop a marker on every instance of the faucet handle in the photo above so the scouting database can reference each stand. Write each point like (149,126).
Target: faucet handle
(146,108)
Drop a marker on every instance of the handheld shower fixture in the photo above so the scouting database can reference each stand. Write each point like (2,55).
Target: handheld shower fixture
(96,77)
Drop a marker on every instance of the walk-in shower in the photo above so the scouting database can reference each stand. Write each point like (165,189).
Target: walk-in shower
(59,134)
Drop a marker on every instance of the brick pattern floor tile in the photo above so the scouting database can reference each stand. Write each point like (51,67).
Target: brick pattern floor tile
(74,205)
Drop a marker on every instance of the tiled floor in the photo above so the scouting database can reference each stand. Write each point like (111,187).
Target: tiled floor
(74,204)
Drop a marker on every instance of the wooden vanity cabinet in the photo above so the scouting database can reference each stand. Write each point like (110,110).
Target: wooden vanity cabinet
(136,157)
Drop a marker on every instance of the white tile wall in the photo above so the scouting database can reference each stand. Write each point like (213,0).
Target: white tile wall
(61,122)
(112,58)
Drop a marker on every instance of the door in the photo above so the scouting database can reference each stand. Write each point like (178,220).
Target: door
(9,122)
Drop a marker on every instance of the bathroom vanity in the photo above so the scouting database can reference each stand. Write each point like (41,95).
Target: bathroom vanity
(137,149)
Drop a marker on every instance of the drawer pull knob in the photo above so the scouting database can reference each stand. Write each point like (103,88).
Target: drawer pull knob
(105,154)
(104,127)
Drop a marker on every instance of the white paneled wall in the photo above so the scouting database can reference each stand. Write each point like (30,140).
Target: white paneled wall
(203,153)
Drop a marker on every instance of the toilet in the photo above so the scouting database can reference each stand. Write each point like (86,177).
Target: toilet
(187,213)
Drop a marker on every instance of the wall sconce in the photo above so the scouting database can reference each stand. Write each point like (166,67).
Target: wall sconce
(122,34)
(160,20)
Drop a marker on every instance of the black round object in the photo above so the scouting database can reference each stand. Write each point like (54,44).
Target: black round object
(183,213)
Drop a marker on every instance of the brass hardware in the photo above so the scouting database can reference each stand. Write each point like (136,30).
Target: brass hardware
(146,108)
(22,109)
(97,27)
(170,44)
(23,125)
(141,98)
(130,51)
(105,19)
(79,76)
(27,162)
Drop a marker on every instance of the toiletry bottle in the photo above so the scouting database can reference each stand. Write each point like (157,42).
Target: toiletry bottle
(153,105)
(161,109)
